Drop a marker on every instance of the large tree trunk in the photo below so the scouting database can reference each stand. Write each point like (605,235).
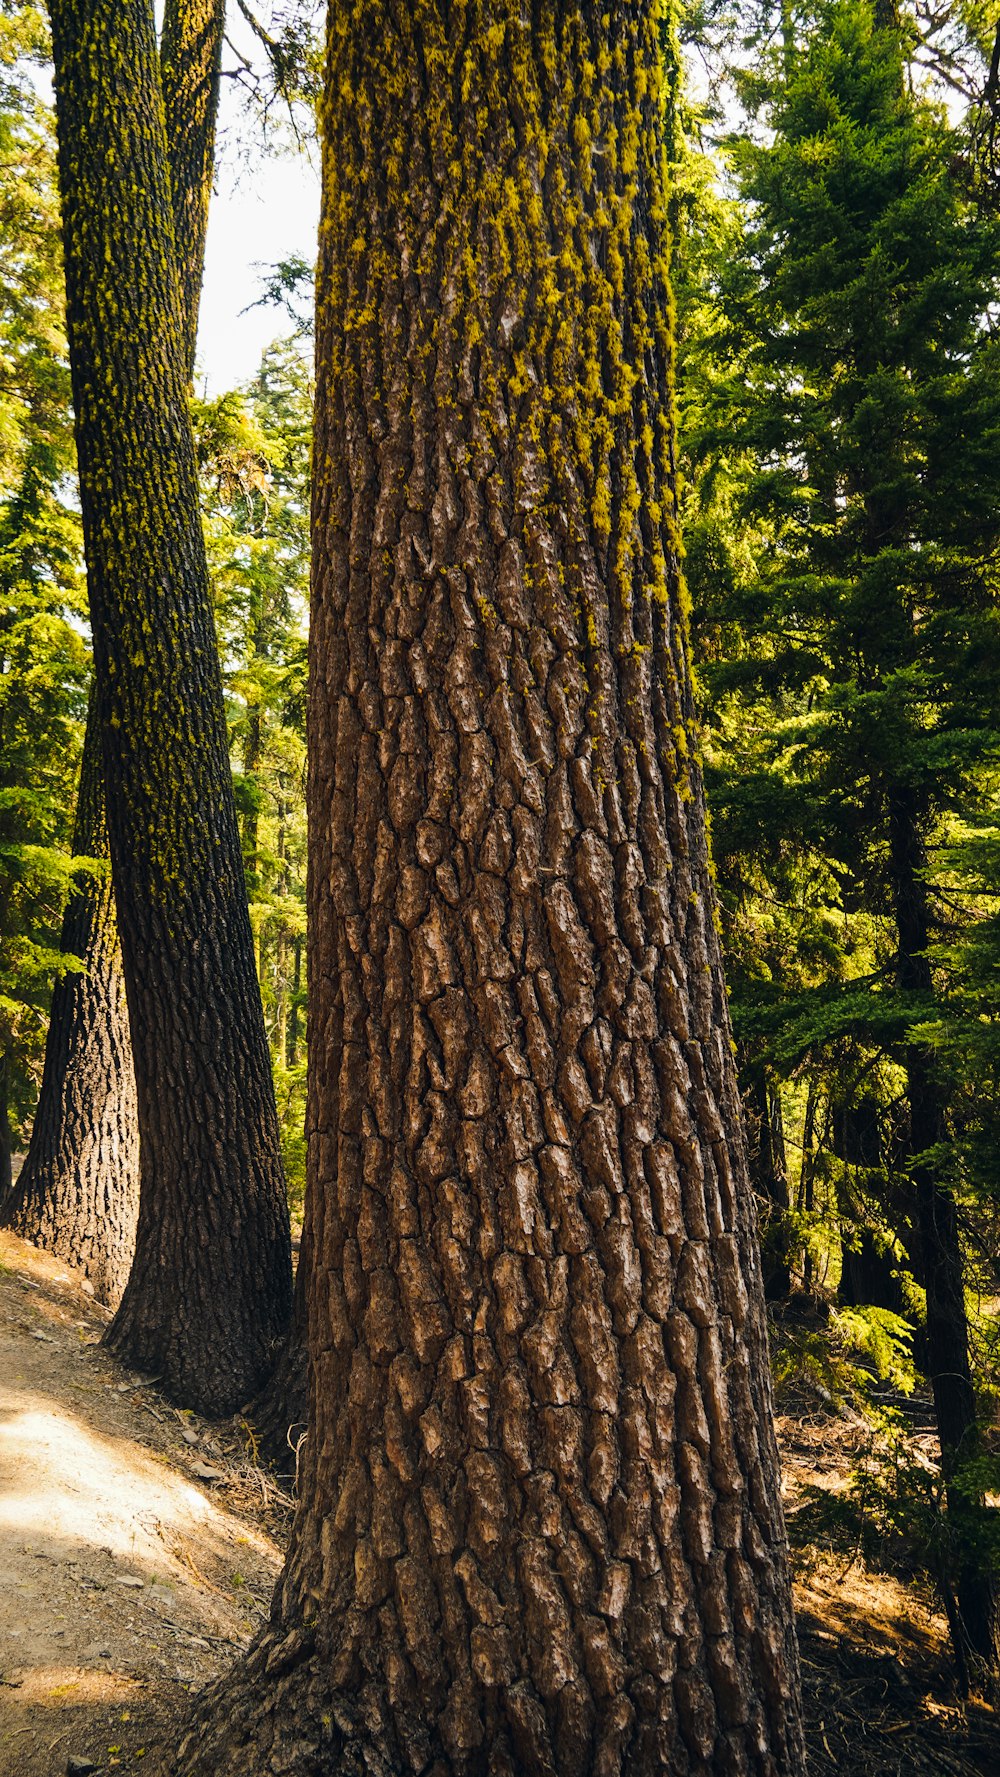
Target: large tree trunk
(936,1219)
(78,1193)
(210,1288)
(540,1528)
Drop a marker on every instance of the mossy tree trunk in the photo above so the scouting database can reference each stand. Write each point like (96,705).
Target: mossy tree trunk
(78,1193)
(209,1292)
(190,67)
(539,1527)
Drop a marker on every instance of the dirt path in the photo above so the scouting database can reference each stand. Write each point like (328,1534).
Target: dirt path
(127,1579)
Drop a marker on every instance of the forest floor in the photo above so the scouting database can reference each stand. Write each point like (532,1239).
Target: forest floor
(139,1546)
(877,1674)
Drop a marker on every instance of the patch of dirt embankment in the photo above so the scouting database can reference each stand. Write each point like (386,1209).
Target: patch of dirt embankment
(138,1545)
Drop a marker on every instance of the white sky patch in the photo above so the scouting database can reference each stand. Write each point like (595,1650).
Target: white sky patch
(265,208)
(257,218)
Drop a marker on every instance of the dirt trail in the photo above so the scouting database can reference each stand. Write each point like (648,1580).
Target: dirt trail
(126,1579)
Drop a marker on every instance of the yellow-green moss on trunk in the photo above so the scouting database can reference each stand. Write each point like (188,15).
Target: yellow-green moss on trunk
(209,1292)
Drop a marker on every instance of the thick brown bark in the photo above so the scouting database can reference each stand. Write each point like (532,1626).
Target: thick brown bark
(947,1334)
(210,1288)
(540,1528)
(78,1193)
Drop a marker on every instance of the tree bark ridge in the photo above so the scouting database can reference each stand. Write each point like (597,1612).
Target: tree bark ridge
(540,1527)
(78,1192)
(210,1289)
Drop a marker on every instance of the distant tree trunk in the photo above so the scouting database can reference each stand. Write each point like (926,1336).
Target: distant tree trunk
(78,1193)
(769,1179)
(279,1414)
(252,753)
(539,1527)
(6,1154)
(868,1269)
(209,1293)
(947,1332)
(807,1190)
(293,1021)
(190,67)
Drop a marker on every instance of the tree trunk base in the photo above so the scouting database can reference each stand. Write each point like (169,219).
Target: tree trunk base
(277,1713)
(277,1416)
(273,1716)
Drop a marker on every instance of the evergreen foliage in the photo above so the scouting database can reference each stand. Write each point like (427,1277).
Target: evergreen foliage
(254,452)
(43,654)
(842,394)
(843,402)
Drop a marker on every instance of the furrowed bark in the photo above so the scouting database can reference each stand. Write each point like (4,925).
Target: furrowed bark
(78,1193)
(78,1190)
(539,1527)
(209,1293)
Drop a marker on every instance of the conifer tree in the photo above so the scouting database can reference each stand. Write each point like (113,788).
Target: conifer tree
(78,1192)
(539,1526)
(42,598)
(868,418)
(209,1292)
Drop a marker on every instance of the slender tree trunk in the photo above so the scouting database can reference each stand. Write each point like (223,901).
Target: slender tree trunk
(868,1269)
(769,1179)
(190,68)
(281,944)
(947,1334)
(279,1415)
(806,1191)
(293,1020)
(210,1289)
(6,1154)
(252,752)
(78,1194)
(539,1528)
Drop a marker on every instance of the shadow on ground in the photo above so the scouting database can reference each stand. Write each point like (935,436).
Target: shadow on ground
(129,1580)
